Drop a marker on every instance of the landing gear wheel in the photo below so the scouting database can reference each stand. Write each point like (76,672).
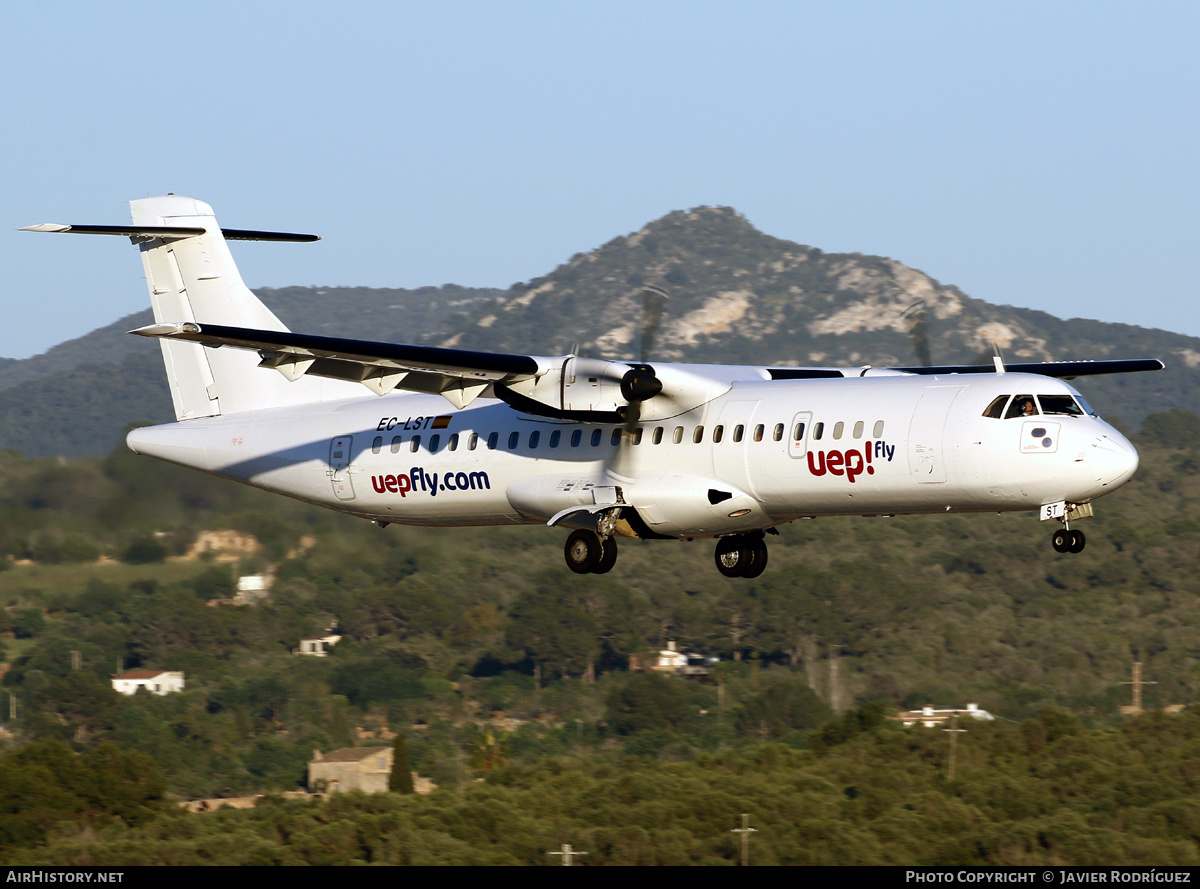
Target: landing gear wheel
(1078,542)
(1062,540)
(731,556)
(608,557)
(757,561)
(583,551)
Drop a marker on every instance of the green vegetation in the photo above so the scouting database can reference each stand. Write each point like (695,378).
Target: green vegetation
(444,629)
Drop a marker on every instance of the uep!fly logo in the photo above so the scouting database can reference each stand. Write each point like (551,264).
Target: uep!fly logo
(418,480)
(852,462)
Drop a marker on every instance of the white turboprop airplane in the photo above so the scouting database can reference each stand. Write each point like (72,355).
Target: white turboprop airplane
(608,448)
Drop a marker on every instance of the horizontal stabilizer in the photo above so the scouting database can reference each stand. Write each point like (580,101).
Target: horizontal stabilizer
(167,232)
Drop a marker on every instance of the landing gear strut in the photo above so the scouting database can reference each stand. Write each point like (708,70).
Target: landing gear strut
(741,555)
(586,553)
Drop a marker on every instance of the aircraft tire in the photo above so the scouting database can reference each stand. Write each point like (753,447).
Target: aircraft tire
(608,557)
(1061,541)
(731,556)
(757,561)
(1078,542)
(582,551)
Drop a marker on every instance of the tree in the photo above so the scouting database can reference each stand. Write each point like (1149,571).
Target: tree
(400,780)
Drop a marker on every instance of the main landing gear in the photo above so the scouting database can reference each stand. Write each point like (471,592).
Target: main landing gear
(1067,541)
(586,553)
(742,555)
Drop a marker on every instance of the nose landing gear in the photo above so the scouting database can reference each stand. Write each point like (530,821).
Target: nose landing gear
(1067,541)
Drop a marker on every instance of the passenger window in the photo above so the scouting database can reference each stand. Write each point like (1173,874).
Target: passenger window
(718,433)
(597,436)
(658,431)
(396,445)
(534,438)
(434,441)
(615,438)
(778,434)
(678,436)
(818,431)
(758,432)
(377,444)
(452,444)
(513,438)
(555,437)
(858,429)
(995,410)
(1022,406)
(637,436)
(877,432)
(576,438)
(698,435)
(1059,404)
(414,443)
(837,430)
(492,440)
(473,441)
(798,432)
(738,432)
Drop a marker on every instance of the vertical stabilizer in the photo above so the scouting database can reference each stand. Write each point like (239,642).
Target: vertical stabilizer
(193,278)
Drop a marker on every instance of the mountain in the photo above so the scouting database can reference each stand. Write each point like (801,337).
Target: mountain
(737,296)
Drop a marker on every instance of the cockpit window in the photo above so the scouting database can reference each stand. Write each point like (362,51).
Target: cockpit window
(1087,408)
(1060,404)
(1022,406)
(995,410)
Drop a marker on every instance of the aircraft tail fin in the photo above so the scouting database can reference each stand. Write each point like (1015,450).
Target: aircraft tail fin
(192,278)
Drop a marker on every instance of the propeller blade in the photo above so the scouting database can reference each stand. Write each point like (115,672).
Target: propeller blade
(916,321)
(653,304)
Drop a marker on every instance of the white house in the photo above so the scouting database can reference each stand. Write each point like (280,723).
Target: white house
(931,718)
(317,646)
(158,682)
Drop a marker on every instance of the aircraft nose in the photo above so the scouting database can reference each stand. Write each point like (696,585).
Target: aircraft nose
(1113,460)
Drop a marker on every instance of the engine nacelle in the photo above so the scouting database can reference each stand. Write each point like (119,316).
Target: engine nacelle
(598,390)
(690,506)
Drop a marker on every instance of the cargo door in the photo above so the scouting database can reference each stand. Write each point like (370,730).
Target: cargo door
(926,435)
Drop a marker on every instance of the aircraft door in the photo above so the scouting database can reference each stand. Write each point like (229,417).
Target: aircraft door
(340,453)
(926,435)
(797,434)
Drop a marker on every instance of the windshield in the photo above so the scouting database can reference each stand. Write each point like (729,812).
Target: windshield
(1060,404)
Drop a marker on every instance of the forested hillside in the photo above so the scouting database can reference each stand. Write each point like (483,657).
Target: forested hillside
(738,296)
(445,629)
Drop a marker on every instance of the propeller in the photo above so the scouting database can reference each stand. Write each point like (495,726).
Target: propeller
(916,322)
(640,383)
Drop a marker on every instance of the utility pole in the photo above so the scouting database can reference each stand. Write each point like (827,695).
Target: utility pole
(76,661)
(745,830)
(1137,684)
(567,854)
(12,706)
(954,732)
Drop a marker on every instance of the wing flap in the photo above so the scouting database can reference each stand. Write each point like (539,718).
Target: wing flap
(458,374)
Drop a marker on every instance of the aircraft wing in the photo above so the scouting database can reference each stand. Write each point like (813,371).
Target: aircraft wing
(458,374)
(1066,370)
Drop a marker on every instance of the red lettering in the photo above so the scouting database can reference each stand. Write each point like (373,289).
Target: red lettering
(390,483)
(834,462)
(404,484)
(377,483)
(854,465)
(816,468)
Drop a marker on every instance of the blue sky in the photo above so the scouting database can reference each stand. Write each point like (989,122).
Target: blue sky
(1034,154)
